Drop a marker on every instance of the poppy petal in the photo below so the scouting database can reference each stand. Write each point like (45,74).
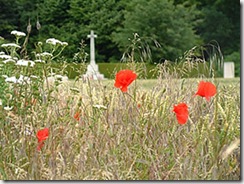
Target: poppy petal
(123,79)
(206,89)
(181,111)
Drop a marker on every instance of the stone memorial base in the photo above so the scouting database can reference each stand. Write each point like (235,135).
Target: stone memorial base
(92,73)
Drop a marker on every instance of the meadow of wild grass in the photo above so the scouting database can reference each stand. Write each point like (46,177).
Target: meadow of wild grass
(98,132)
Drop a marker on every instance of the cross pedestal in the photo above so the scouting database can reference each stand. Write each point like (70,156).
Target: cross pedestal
(92,69)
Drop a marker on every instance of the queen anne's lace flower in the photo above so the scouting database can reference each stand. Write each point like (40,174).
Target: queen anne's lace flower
(44,54)
(11,79)
(54,41)
(23,62)
(7,108)
(9,60)
(18,33)
(10,45)
(21,80)
(4,56)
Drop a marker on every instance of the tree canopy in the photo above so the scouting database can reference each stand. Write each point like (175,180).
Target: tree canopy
(167,27)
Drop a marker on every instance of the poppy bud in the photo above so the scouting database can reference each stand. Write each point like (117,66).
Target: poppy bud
(29,27)
(38,25)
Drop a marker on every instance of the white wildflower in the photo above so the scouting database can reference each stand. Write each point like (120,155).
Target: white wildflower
(2,53)
(10,45)
(11,79)
(7,108)
(39,61)
(65,78)
(53,41)
(44,54)
(4,56)
(23,79)
(18,33)
(64,43)
(5,76)
(28,131)
(100,106)
(60,77)
(33,76)
(1,103)
(23,62)
(9,60)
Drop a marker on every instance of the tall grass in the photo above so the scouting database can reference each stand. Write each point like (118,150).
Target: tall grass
(119,136)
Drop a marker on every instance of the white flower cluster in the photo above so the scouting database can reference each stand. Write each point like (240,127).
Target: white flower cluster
(21,80)
(4,56)
(18,33)
(10,45)
(54,41)
(58,77)
(23,62)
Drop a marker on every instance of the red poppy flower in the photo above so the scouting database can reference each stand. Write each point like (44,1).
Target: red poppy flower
(124,78)
(40,145)
(77,116)
(206,89)
(181,111)
(42,135)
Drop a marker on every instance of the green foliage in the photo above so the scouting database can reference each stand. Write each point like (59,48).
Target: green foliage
(166,28)
(221,22)
(8,16)
(147,71)
(103,18)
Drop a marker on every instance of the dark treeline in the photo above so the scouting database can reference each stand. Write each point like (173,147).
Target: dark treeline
(164,28)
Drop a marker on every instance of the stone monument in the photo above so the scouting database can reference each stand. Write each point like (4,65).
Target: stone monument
(229,70)
(92,69)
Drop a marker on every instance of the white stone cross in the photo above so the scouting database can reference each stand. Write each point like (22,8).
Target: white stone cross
(92,69)
(92,37)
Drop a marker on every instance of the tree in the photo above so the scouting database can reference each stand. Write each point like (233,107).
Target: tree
(221,22)
(158,21)
(101,16)
(8,17)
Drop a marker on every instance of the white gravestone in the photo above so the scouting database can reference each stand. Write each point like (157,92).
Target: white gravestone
(229,70)
(92,69)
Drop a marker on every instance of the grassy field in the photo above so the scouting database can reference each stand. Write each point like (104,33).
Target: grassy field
(91,130)
(148,84)
(124,136)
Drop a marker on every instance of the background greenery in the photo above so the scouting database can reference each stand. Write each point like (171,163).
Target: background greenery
(146,71)
(165,29)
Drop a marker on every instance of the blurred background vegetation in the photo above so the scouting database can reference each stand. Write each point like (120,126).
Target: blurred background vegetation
(164,29)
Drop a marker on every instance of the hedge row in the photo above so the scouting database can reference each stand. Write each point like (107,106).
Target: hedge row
(149,71)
